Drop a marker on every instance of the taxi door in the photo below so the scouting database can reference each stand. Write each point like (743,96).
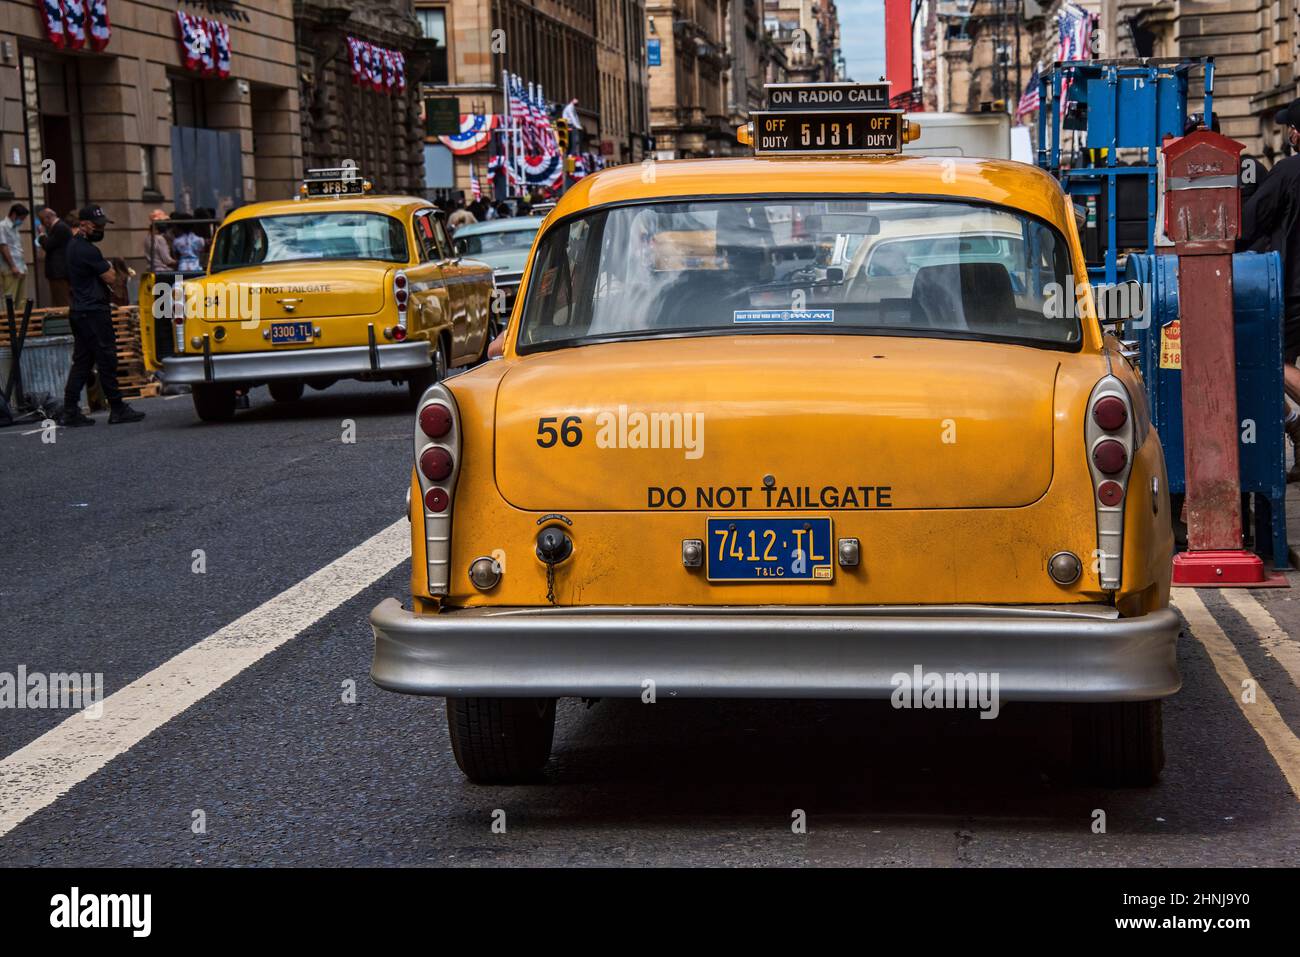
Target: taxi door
(430,313)
(457,278)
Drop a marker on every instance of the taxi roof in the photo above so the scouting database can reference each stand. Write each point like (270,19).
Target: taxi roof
(366,202)
(1004,182)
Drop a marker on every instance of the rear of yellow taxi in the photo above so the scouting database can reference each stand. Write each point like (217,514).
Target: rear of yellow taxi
(347,291)
(594,517)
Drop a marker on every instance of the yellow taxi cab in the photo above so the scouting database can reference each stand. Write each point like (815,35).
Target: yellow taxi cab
(336,284)
(712,462)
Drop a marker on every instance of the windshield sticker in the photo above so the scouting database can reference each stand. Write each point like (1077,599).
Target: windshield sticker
(783,315)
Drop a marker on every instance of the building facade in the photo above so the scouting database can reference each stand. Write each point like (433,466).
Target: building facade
(808,32)
(688,101)
(136,120)
(344,117)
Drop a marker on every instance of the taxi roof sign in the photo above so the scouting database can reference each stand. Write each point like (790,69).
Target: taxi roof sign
(334,181)
(827,96)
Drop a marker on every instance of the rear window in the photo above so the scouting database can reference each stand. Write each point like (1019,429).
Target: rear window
(298,237)
(896,267)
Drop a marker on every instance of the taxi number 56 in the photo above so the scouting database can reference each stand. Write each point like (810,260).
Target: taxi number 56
(568,433)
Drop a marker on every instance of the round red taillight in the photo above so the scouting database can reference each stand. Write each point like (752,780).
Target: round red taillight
(399,333)
(400,281)
(435,463)
(1110,413)
(1110,493)
(435,420)
(400,297)
(1110,456)
(436,499)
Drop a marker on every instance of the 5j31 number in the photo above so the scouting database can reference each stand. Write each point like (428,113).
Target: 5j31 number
(569,432)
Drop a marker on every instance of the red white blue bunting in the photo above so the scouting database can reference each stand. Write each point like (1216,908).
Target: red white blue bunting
(377,68)
(76,24)
(475,133)
(205,44)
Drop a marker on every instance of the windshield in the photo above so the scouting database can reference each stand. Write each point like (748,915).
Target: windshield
(314,236)
(897,267)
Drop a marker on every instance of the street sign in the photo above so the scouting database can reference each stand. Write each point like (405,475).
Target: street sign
(652,52)
(817,132)
(441,116)
(827,96)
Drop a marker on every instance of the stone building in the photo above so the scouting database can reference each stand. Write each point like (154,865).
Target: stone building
(808,32)
(134,123)
(623,118)
(975,53)
(688,108)
(755,59)
(344,118)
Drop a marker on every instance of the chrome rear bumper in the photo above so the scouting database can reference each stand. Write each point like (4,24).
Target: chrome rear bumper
(1040,653)
(309,363)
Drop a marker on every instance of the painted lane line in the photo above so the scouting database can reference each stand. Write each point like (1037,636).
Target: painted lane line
(1272,636)
(1263,716)
(36,775)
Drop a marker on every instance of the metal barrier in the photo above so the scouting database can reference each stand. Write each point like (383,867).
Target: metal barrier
(1257,319)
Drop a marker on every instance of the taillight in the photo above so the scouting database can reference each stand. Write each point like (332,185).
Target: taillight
(435,420)
(435,463)
(1109,440)
(400,294)
(437,456)
(1110,456)
(1110,413)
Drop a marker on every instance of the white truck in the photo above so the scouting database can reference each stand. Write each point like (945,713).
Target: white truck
(980,135)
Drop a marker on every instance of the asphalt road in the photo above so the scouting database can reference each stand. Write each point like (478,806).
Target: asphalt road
(98,532)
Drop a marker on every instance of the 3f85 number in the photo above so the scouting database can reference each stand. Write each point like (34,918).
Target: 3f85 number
(569,432)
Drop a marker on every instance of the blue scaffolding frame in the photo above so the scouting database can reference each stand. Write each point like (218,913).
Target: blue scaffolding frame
(1125,104)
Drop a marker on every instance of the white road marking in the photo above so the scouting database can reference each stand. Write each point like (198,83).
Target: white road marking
(36,775)
(1262,714)
(1274,639)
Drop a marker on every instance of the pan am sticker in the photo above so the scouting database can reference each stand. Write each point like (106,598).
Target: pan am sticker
(783,315)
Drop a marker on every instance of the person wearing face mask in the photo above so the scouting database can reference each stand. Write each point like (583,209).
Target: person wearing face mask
(13,267)
(1271,222)
(91,318)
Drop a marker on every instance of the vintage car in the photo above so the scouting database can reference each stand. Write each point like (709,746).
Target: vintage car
(337,284)
(699,472)
(503,244)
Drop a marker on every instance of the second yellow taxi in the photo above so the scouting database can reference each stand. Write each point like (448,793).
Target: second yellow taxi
(337,284)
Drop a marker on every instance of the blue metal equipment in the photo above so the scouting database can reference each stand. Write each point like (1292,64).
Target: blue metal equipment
(1115,104)
(1257,319)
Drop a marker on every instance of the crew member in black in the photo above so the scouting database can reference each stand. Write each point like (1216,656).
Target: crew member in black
(1271,221)
(91,318)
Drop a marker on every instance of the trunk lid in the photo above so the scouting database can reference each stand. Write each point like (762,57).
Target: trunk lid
(297,290)
(836,421)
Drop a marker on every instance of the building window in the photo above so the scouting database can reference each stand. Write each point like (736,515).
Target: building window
(189,106)
(433,23)
(148,172)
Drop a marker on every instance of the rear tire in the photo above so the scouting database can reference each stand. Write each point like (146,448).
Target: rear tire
(1119,744)
(420,380)
(501,740)
(214,402)
(286,390)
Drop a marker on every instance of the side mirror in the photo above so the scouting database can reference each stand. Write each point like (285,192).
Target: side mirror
(835,274)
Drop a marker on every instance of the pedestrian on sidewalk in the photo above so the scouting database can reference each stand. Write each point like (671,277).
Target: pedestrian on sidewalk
(157,251)
(91,318)
(13,267)
(1271,222)
(53,240)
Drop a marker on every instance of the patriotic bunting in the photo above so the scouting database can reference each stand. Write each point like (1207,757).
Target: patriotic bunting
(475,133)
(379,68)
(205,44)
(539,157)
(100,29)
(52,16)
(74,24)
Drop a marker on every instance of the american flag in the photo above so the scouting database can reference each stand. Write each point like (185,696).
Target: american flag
(1074,25)
(475,190)
(1031,98)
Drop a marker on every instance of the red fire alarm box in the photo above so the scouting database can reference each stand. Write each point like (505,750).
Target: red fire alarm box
(1202,198)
